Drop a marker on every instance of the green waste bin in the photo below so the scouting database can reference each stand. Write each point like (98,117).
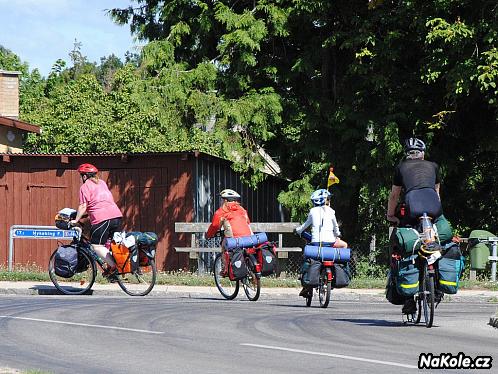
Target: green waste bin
(479,252)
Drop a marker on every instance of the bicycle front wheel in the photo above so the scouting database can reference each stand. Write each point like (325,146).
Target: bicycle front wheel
(81,282)
(251,283)
(228,289)
(428,298)
(324,289)
(139,282)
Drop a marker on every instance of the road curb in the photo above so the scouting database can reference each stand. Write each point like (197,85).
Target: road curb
(173,291)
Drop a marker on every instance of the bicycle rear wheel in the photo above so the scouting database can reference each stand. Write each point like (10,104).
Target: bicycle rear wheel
(81,282)
(139,282)
(324,289)
(428,297)
(228,289)
(251,283)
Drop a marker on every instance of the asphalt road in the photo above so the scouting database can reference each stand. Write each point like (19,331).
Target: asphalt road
(94,334)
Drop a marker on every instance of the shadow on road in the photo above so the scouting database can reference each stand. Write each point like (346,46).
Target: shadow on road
(371,322)
(51,290)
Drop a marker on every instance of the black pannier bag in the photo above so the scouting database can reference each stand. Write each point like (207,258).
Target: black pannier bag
(310,271)
(268,261)
(342,275)
(66,261)
(238,268)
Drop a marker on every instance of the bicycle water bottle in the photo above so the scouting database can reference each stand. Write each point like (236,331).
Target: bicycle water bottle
(427,230)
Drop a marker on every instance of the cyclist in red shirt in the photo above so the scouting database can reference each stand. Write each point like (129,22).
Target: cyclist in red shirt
(232,217)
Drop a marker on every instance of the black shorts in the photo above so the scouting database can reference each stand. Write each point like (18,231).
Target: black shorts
(100,232)
(424,200)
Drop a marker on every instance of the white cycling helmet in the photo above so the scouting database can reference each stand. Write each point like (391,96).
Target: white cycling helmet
(319,197)
(414,144)
(229,195)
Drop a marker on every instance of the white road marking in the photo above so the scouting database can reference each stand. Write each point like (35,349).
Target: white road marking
(331,355)
(83,325)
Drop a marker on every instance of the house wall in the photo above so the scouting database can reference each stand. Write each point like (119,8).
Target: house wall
(149,189)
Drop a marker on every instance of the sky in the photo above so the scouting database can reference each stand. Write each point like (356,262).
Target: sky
(42,31)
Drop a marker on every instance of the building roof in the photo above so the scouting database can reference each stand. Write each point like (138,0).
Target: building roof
(11,122)
(271,167)
(10,72)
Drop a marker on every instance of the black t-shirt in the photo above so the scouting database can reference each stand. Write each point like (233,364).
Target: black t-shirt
(416,174)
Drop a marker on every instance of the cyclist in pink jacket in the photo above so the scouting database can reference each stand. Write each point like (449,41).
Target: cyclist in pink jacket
(105,216)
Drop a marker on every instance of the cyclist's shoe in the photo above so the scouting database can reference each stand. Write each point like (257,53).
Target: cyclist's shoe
(305,292)
(410,307)
(110,270)
(438,297)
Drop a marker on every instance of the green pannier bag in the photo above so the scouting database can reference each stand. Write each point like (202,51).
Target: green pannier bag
(407,281)
(444,229)
(406,240)
(450,268)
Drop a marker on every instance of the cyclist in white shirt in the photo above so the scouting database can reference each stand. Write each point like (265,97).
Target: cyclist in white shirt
(324,228)
(321,218)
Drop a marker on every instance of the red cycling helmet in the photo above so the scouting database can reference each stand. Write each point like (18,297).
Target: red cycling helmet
(87,169)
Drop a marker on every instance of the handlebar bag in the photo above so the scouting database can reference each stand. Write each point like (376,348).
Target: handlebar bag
(407,280)
(342,275)
(268,260)
(66,261)
(245,241)
(63,217)
(238,267)
(450,268)
(340,255)
(310,273)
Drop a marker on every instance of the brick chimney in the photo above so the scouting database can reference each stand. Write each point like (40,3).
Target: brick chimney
(9,94)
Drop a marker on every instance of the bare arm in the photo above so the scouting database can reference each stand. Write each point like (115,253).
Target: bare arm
(393,200)
(436,187)
(81,212)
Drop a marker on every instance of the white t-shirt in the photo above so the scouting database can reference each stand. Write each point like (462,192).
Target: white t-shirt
(324,227)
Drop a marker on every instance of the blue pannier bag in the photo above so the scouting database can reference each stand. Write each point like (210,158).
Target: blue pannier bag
(245,241)
(341,255)
(407,279)
(450,268)
(66,261)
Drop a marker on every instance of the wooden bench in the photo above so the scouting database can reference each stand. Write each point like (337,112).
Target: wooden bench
(194,228)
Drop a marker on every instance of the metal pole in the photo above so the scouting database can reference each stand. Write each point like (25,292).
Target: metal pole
(11,247)
(493,261)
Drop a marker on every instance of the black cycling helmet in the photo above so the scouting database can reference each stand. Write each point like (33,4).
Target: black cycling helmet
(414,144)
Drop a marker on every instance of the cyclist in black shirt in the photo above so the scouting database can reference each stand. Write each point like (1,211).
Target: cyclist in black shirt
(419,180)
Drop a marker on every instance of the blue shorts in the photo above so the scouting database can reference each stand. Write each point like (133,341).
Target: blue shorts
(324,244)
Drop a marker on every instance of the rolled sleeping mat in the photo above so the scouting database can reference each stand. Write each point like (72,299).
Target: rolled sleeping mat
(339,255)
(245,241)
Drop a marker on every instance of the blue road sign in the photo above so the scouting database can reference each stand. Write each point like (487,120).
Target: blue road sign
(44,234)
